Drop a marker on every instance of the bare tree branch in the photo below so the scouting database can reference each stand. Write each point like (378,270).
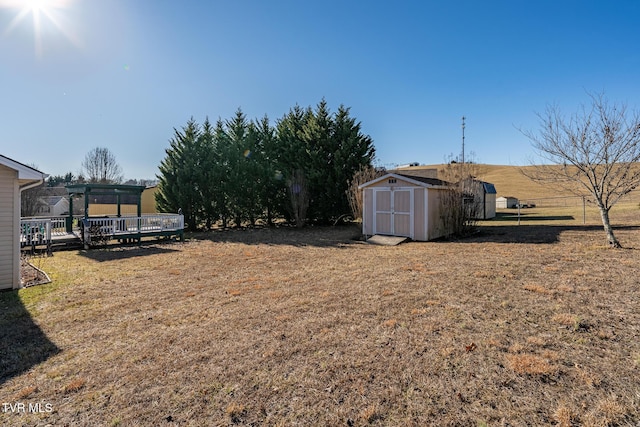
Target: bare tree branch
(598,149)
(100,166)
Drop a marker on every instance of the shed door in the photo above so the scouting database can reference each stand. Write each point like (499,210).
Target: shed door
(393,214)
(402,213)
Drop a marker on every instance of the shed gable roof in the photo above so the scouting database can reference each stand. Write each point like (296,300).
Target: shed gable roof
(415,180)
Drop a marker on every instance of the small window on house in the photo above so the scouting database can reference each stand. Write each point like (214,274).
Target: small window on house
(392,180)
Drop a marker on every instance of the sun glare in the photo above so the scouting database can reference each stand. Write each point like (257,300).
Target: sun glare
(38,9)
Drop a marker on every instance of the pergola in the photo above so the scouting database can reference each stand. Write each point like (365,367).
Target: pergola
(89,190)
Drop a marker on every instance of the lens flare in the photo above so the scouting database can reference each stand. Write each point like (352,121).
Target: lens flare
(38,9)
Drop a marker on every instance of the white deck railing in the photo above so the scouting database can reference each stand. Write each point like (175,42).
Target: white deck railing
(136,224)
(58,223)
(35,231)
(39,231)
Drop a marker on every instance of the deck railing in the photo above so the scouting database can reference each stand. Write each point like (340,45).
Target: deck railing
(39,231)
(35,232)
(99,230)
(58,223)
(113,226)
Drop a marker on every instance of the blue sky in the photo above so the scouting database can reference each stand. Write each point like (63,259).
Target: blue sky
(122,74)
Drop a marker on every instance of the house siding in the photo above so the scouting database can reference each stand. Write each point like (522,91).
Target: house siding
(9,224)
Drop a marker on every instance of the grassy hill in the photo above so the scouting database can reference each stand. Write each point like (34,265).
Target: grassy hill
(511,181)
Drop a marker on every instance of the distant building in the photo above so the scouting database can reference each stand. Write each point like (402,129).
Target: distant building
(484,194)
(506,202)
(53,206)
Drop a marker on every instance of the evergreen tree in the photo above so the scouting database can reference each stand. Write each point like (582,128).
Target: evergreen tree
(209,176)
(179,183)
(273,191)
(291,156)
(328,150)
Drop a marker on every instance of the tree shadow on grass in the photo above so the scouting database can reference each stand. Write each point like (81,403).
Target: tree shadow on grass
(541,234)
(523,233)
(524,217)
(115,253)
(22,343)
(318,236)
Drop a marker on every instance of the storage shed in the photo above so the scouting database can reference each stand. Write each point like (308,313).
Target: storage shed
(506,202)
(402,205)
(485,193)
(15,177)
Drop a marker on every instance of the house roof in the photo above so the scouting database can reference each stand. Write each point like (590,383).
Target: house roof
(25,173)
(52,200)
(416,180)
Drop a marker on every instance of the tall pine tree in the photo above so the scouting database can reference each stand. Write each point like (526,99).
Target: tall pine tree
(179,181)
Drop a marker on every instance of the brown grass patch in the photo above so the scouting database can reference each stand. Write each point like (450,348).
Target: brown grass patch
(74,385)
(26,392)
(530,364)
(390,323)
(588,376)
(539,289)
(566,288)
(606,412)
(328,331)
(565,416)
(370,414)
(565,319)
(236,412)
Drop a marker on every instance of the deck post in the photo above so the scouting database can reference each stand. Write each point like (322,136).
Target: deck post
(140,218)
(69,222)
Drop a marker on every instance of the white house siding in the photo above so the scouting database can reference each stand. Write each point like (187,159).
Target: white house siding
(9,224)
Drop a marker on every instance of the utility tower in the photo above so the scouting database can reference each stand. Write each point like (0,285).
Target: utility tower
(463,119)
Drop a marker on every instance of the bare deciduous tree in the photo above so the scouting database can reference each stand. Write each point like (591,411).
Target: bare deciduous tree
(593,152)
(354,194)
(31,201)
(100,166)
(460,204)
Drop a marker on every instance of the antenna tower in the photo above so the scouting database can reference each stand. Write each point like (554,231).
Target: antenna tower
(463,119)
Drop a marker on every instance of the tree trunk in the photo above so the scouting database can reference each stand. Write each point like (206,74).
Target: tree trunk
(611,238)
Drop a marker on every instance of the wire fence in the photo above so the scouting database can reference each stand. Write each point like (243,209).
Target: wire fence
(574,201)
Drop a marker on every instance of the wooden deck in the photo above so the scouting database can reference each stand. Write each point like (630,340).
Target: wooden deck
(52,232)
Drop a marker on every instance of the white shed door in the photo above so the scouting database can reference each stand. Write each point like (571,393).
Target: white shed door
(393,215)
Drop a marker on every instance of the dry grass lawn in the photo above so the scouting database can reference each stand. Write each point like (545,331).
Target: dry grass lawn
(518,326)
